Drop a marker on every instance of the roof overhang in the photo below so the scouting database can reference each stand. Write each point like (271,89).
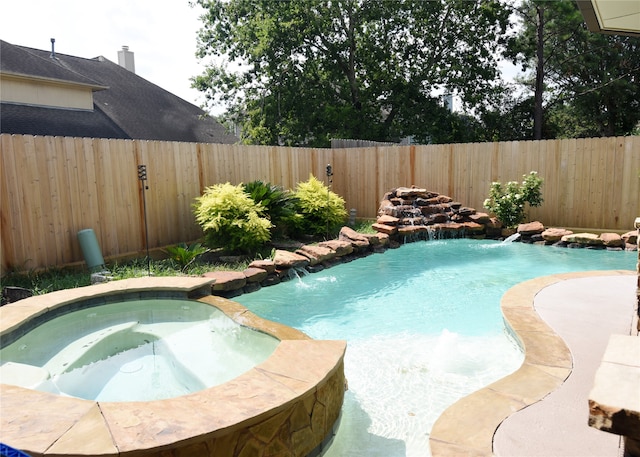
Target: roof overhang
(52,81)
(613,17)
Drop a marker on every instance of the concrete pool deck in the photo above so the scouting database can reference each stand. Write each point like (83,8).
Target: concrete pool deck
(564,323)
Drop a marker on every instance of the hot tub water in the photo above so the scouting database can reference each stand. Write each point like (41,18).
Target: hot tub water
(134,351)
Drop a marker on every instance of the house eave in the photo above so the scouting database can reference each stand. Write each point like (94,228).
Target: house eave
(52,81)
(611,17)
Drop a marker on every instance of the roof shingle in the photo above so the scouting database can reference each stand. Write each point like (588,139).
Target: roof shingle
(129,106)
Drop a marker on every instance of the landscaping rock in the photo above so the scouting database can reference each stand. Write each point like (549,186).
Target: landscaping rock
(630,237)
(226,280)
(436,208)
(271,280)
(386,229)
(587,239)
(411,192)
(251,287)
(386,207)
(443,199)
(409,230)
(316,254)
(383,239)
(530,228)
(480,218)
(385,219)
(315,268)
(493,228)
(537,238)
(230,293)
(495,223)
(472,228)
(255,275)
(449,229)
(552,235)
(285,260)
(611,240)
(267,265)
(411,212)
(439,218)
(358,240)
(341,248)
(372,239)
(466,212)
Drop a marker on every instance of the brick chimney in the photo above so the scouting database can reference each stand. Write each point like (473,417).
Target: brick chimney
(125,59)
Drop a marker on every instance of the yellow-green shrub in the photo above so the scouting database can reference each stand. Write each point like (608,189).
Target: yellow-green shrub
(231,219)
(322,210)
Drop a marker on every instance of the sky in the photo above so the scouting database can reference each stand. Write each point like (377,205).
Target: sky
(162,34)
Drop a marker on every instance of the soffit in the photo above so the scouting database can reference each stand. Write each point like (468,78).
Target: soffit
(619,17)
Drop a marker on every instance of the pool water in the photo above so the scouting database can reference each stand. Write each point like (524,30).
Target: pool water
(423,326)
(139,350)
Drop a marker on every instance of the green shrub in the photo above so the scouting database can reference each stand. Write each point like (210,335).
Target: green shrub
(184,255)
(507,201)
(278,203)
(322,210)
(231,220)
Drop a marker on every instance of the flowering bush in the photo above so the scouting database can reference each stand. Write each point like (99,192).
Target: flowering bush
(507,201)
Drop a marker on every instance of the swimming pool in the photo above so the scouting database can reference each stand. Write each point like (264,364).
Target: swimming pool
(423,326)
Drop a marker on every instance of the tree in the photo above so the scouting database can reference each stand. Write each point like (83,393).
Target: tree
(587,84)
(509,120)
(599,88)
(299,72)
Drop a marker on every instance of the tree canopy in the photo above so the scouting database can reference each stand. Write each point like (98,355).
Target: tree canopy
(583,84)
(299,72)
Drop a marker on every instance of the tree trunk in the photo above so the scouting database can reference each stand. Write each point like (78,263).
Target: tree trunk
(538,113)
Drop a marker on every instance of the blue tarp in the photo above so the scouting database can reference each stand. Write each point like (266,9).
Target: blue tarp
(8,451)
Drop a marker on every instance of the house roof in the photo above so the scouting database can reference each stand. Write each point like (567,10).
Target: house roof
(619,17)
(125,104)
(17,60)
(36,120)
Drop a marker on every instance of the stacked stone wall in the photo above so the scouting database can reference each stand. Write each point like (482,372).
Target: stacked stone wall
(409,213)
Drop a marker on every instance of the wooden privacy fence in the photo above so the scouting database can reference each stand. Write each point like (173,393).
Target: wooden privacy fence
(52,187)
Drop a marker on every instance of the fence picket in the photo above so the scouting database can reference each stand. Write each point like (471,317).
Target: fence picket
(53,187)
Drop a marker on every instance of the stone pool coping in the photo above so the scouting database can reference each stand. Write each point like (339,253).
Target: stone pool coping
(299,388)
(468,426)
(15,314)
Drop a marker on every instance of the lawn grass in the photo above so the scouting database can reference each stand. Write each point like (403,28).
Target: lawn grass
(52,279)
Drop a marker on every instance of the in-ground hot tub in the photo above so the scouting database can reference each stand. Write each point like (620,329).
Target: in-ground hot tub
(134,350)
(287,399)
